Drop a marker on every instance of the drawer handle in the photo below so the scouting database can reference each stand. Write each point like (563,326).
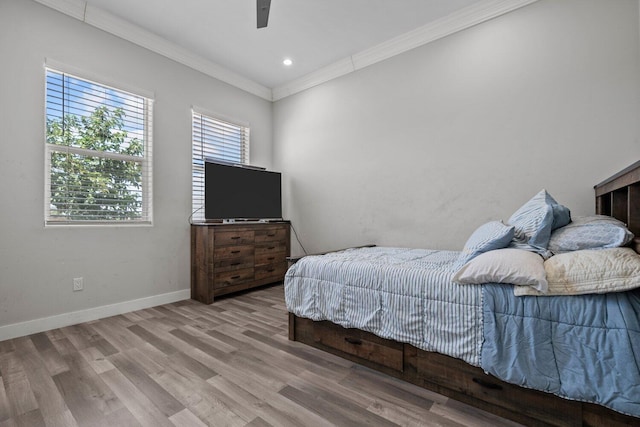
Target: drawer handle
(271,235)
(354,341)
(487,384)
(235,277)
(271,248)
(235,263)
(235,237)
(235,252)
(271,258)
(271,270)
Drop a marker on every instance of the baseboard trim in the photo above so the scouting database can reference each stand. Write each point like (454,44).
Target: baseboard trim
(66,319)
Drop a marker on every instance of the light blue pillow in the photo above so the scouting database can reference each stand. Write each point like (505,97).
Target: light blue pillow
(535,220)
(487,237)
(590,232)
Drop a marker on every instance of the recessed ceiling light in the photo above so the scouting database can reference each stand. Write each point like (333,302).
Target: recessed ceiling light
(287,62)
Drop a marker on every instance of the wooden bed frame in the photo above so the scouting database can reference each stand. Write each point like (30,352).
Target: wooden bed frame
(618,196)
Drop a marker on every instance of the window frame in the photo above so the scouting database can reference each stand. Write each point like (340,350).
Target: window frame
(145,161)
(197,161)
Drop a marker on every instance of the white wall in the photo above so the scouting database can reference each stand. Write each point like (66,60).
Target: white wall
(422,148)
(118,264)
(415,151)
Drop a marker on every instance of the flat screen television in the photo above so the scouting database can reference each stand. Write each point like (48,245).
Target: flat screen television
(241,193)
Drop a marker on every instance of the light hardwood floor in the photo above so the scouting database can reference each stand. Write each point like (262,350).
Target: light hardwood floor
(188,364)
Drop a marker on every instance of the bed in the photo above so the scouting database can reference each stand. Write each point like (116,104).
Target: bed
(538,360)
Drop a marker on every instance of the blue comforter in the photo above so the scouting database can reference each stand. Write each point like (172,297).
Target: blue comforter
(583,348)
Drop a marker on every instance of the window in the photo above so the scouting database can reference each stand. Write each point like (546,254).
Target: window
(214,139)
(98,153)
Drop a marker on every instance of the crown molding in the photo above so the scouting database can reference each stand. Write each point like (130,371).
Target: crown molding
(457,21)
(112,24)
(73,8)
(330,72)
(453,23)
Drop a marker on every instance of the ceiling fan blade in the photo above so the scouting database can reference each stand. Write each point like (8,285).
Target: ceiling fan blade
(262,7)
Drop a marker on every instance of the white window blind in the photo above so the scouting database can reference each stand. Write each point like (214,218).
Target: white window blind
(98,153)
(218,140)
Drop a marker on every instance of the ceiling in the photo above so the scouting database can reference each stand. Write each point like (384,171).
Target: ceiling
(220,37)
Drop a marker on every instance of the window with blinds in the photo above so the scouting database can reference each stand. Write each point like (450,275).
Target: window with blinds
(98,153)
(216,140)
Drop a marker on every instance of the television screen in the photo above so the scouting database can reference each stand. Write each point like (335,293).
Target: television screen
(234,192)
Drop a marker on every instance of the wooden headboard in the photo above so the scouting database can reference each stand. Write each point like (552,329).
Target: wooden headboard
(619,197)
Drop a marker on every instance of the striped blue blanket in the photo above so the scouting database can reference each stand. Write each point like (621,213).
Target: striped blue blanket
(400,294)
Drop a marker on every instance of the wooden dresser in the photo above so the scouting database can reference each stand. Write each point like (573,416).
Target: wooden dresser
(227,258)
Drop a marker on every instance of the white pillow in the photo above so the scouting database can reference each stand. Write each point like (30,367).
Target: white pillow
(590,272)
(514,266)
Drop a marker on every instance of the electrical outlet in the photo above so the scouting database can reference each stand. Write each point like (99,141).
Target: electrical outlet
(78,284)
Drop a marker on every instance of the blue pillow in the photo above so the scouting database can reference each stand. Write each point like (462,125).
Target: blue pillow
(487,237)
(535,220)
(590,232)
(561,214)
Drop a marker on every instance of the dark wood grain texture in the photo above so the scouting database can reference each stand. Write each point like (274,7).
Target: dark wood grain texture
(619,196)
(228,258)
(456,379)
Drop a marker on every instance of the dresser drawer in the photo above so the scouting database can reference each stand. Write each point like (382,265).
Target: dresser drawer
(271,234)
(360,344)
(240,237)
(232,277)
(233,263)
(231,252)
(270,258)
(276,271)
(270,248)
(471,381)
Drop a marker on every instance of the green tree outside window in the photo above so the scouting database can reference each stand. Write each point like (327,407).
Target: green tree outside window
(96,161)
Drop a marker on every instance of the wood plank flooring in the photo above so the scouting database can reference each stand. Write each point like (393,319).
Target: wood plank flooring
(188,364)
